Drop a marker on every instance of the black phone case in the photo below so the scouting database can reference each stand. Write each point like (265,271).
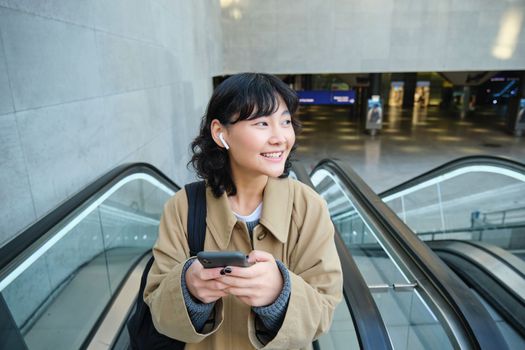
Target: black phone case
(221,259)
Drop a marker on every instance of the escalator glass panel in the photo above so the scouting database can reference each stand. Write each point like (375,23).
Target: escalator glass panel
(59,288)
(342,333)
(474,203)
(410,320)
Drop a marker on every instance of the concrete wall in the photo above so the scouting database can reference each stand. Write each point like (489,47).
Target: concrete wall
(337,36)
(88,85)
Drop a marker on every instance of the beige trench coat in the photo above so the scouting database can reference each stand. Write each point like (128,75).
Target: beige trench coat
(295,227)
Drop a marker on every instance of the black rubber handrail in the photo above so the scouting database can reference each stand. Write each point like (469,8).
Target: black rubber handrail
(26,238)
(458,163)
(477,326)
(371,330)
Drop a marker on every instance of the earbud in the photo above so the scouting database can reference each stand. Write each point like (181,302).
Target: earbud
(223,141)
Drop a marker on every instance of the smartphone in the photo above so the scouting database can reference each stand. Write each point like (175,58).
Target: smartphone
(210,259)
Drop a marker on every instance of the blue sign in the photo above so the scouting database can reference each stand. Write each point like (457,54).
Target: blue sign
(326,97)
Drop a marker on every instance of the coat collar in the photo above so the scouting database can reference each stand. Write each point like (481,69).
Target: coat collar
(276,212)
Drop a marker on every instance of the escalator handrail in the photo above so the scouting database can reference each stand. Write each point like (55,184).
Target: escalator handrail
(26,238)
(471,315)
(461,249)
(370,328)
(507,304)
(458,163)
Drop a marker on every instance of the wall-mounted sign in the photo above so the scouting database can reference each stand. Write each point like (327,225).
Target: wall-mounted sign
(326,97)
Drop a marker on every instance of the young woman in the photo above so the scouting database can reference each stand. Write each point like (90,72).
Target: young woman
(286,299)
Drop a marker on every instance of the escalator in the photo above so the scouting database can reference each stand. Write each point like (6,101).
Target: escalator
(70,280)
(482,236)
(471,212)
(423,304)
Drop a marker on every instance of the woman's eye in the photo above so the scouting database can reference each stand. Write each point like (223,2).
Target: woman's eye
(261,124)
(287,122)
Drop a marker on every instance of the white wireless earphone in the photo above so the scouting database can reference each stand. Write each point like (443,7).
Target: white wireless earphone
(223,141)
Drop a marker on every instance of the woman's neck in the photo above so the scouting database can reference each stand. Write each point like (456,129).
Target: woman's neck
(249,194)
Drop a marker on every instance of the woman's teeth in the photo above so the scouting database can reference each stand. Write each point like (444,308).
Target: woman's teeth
(272,155)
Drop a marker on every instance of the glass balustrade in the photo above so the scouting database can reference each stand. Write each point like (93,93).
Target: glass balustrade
(56,292)
(410,320)
(474,203)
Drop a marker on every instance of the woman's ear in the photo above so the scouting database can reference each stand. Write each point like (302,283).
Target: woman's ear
(217,133)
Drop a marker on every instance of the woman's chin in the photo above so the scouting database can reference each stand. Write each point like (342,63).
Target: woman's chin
(275,173)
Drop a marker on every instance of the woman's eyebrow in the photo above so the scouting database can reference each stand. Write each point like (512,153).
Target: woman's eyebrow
(285,112)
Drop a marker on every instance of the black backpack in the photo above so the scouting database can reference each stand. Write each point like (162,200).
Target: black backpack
(142,333)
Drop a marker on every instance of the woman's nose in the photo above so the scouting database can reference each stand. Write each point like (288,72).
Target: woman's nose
(278,137)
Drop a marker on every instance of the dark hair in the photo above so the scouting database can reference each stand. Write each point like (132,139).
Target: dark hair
(244,96)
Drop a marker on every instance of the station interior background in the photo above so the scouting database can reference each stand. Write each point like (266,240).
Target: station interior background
(86,86)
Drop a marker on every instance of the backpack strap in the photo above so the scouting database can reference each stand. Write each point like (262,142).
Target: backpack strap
(196,193)
(142,332)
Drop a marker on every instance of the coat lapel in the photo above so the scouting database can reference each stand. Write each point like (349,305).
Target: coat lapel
(276,212)
(219,218)
(277,207)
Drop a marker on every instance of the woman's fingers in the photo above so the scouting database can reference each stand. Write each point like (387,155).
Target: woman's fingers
(253,271)
(204,284)
(210,274)
(239,282)
(211,296)
(256,285)
(250,296)
(259,256)
(215,285)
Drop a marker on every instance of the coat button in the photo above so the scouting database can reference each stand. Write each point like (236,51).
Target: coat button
(261,236)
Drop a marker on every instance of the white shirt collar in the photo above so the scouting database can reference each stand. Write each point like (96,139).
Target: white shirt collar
(256,215)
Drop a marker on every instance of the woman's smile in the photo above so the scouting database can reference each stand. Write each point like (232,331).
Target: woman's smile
(273,156)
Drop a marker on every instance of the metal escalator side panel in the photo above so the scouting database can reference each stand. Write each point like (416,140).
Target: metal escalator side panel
(510,260)
(505,275)
(511,309)
(113,323)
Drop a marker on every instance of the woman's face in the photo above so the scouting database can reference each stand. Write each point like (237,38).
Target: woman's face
(261,146)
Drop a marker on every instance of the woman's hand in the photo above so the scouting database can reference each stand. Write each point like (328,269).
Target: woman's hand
(204,284)
(257,285)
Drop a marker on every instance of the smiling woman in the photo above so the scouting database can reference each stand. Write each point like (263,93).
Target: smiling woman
(259,146)
(286,296)
(253,112)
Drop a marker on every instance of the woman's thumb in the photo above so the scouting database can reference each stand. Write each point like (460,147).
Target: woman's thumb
(259,256)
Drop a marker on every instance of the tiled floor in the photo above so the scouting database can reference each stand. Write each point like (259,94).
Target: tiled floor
(411,142)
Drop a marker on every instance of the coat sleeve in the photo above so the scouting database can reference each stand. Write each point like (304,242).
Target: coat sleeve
(163,292)
(316,280)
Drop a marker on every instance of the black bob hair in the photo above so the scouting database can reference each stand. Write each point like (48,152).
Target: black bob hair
(243,96)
